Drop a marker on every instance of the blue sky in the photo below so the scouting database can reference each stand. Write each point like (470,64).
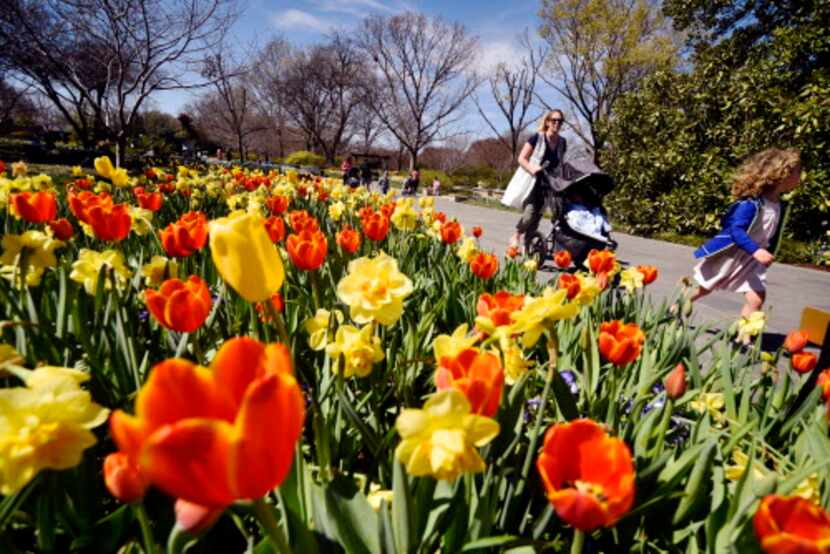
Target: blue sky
(497,24)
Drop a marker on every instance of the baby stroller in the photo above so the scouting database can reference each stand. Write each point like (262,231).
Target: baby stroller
(577,182)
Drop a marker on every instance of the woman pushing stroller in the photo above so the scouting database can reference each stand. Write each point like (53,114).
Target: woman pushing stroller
(540,156)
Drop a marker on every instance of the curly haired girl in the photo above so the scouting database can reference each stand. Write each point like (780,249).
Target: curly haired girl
(736,259)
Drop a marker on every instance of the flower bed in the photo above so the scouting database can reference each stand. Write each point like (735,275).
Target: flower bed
(290,362)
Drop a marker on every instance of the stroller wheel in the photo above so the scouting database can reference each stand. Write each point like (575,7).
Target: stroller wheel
(535,248)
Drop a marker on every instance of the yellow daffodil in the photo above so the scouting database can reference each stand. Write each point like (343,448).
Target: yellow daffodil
(588,289)
(377,495)
(711,402)
(405,218)
(87,267)
(77,171)
(631,279)
(245,257)
(467,249)
(531,265)
(142,220)
(41,182)
(374,289)
(426,202)
(158,270)
(752,326)
(808,489)
(451,345)
(538,314)
(19,169)
(360,350)
(45,424)
(318,328)
(32,252)
(336,210)
(515,364)
(736,470)
(441,439)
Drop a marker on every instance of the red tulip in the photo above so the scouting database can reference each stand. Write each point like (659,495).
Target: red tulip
(34,207)
(150,200)
(796,341)
(376,226)
(451,232)
(498,307)
(620,343)
(276,228)
(62,228)
(301,220)
(80,203)
(649,273)
(571,283)
(180,306)
(479,376)
(477,231)
(277,304)
(804,362)
(110,222)
(348,239)
(791,525)
(512,251)
(588,476)
(562,259)
(307,249)
(601,262)
(214,436)
(123,478)
(278,204)
(185,236)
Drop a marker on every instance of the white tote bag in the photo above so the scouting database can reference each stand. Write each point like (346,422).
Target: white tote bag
(522,182)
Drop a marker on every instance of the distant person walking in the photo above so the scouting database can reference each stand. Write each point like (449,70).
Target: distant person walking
(736,259)
(436,186)
(554,147)
(383,183)
(410,186)
(365,174)
(346,167)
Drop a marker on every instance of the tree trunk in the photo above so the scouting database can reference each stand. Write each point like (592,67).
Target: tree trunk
(120,149)
(241,146)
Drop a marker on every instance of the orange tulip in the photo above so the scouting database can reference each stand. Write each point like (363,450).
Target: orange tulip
(62,228)
(512,251)
(214,436)
(498,307)
(479,376)
(601,262)
(277,303)
(791,525)
(376,226)
(675,382)
(796,341)
(110,222)
(301,220)
(2,167)
(276,228)
(477,231)
(180,306)
(562,259)
(804,362)
(588,476)
(348,239)
(570,283)
(649,273)
(307,249)
(620,343)
(34,207)
(365,212)
(123,478)
(80,203)
(278,204)
(484,265)
(824,385)
(185,236)
(440,216)
(451,232)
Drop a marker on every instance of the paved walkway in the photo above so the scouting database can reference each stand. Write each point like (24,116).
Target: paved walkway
(789,288)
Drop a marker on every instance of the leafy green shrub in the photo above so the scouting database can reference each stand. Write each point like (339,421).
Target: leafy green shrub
(304,157)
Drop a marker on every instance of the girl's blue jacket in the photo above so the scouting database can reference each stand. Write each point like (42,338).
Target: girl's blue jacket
(742,216)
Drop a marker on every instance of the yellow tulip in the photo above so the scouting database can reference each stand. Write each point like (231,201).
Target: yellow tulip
(45,424)
(245,256)
(103,166)
(441,439)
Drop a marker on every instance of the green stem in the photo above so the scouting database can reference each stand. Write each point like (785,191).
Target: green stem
(578,542)
(279,322)
(269,524)
(146,532)
(315,289)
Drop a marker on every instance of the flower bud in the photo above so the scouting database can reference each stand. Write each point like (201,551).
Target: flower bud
(676,382)
(123,478)
(195,519)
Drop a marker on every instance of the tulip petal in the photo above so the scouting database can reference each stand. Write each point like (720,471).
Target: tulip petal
(581,510)
(191,460)
(126,432)
(269,424)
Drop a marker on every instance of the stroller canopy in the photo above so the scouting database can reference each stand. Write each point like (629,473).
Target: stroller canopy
(582,172)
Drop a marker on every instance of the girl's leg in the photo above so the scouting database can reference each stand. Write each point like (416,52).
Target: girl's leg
(699,292)
(754,302)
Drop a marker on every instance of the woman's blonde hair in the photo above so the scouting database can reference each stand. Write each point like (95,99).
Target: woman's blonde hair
(544,121)
(763,171)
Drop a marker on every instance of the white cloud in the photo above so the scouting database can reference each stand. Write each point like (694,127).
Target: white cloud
(493,52)
(298,21)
